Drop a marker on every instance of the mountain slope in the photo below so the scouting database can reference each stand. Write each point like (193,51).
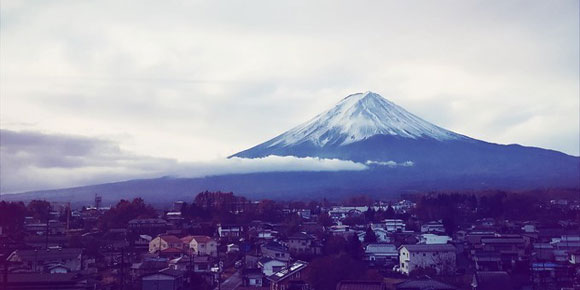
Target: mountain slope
(355,118)
(367,128)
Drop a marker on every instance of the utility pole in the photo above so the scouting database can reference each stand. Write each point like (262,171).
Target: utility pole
(122,273)
(5,274)
(68,213)
(47,229)
(190,270)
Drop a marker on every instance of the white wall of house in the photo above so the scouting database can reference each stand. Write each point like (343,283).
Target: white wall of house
(272,267)
(441,261)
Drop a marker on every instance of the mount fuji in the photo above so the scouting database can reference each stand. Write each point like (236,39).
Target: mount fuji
(402,153)
(370,129)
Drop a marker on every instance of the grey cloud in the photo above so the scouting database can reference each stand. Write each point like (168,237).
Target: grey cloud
(33,160)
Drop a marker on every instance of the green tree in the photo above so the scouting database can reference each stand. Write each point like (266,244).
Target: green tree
(12,216)
(325,220)
(324,273)
(40,209)
(334,245)
(354,247)
(370,236)
(120,215)
(390,212)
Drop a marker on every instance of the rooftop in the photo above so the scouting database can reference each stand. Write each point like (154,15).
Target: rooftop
(171,239)
(288,271)
(360,285)
(429,248)
(48,254)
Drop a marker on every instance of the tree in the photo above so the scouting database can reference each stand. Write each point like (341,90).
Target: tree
(354,247)
(40,209)
(334,245)
(325,220)
(120,215)
(12,216)
(370,215)
(324,273)
(370,236)
(390,212)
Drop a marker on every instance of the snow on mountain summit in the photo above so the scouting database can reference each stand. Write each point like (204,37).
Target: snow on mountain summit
(358,117)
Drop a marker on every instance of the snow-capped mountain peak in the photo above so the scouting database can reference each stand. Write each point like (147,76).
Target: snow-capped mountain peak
(358,117)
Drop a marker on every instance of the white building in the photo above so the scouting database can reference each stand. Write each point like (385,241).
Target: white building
(394,225)
(201,245)
(438,257)
(432,239)
(381,254)
(433,227)
(270,266)
(381,234)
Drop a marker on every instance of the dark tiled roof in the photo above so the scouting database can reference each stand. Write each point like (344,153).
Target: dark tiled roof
(265,260)
(48,254)
(147,221)
(172,272)
(40,277)
(429,248)
(300,236)
(502,240)
(171,239)
(202,239)
(288,271)
(172,250)
(275,247)
(187,239)
(252,272)
(424,284)
(493,280)
(360,285)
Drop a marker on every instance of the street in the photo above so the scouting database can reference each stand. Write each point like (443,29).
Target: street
(232,282)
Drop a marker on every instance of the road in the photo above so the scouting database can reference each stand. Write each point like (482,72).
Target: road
(231,283)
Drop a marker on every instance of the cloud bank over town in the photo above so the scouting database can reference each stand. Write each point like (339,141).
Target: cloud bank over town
(33,161)
(140,88)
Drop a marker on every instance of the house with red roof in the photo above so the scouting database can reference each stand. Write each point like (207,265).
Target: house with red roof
(201,245)
(164,242)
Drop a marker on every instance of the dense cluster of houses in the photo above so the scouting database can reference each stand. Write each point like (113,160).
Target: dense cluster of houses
(171,252)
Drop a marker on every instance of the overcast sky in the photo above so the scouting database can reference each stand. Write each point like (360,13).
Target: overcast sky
(178,82)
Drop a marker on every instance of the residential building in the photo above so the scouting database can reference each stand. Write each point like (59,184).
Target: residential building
(165,242)
(232,248)
(252,277)
(269,266)
(381,254)
(142,242)
(493,280)
(201,245)
(441,258)
(164,279)
(433,227)
(424,283)
(276,251)
(394,225)
(360,285)
(41,261)
(302,243)
(151,226)
(290,277)
(431,239)
(27,281)
(230,231)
